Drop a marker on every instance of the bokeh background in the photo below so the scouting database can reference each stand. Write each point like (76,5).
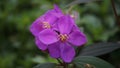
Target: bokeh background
(17,47)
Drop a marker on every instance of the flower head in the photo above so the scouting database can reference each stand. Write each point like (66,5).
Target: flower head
(57,33)
(46,21)
(60,42)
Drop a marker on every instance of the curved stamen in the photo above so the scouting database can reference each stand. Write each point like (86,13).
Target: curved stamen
(46,25)
(73,16)
(63,37)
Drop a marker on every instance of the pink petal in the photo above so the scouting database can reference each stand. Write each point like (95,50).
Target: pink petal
(77,38)
(57,9)
(40,45)
(36,27)
(58,12)
(54,50)
(65,24)
(75,27)
(48,36)
(52,15)
(49,17)
(67,52)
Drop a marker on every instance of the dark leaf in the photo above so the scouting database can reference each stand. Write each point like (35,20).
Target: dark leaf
(91,62)
(81,1)
(45,65)
(99,49)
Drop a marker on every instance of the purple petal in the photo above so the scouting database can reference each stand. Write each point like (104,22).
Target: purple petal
(77,38)
(65,24)
(48,36)
(54,50)
(67,52)
(57,11)
(52,15)
(75,27)
(40,45)
(49,17)
(36,27)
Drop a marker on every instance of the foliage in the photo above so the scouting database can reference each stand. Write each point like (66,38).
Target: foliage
(91,62)
(99,49)
(45,65)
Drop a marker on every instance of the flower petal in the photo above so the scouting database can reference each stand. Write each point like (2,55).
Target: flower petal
(75,27)
(77,38)
(36,27)
(49,17)
(65,24)
(67,52)
(40,45)
(52,15)
(57,11)
(54,50)
(48,36)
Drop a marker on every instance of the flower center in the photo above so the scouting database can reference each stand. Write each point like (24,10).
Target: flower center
(46,25)
(73,16)
(63,37)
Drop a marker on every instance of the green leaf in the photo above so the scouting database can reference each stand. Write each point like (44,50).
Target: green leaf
(91,62)
(99,49)
(81,1)
(46,65)
(93,25)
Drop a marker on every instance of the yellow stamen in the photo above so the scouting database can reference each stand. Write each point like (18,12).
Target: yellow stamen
(63,37)
(46,25)
(73,16)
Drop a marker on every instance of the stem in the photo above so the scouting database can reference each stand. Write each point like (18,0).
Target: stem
(69,9)
(60,62)
(115,12)
(113,6)
(65,65)
(78,50)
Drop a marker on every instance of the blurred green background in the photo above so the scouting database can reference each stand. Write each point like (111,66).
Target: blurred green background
(17,47)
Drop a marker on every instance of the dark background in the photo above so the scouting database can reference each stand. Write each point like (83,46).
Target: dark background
(17,47)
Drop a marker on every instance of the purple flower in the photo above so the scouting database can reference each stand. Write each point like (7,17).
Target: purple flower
(57,33)
(60,42)
(46,21)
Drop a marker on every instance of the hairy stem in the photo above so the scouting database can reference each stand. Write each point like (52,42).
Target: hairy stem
(115,12)
(59,61)
(78,50)
(65,65)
